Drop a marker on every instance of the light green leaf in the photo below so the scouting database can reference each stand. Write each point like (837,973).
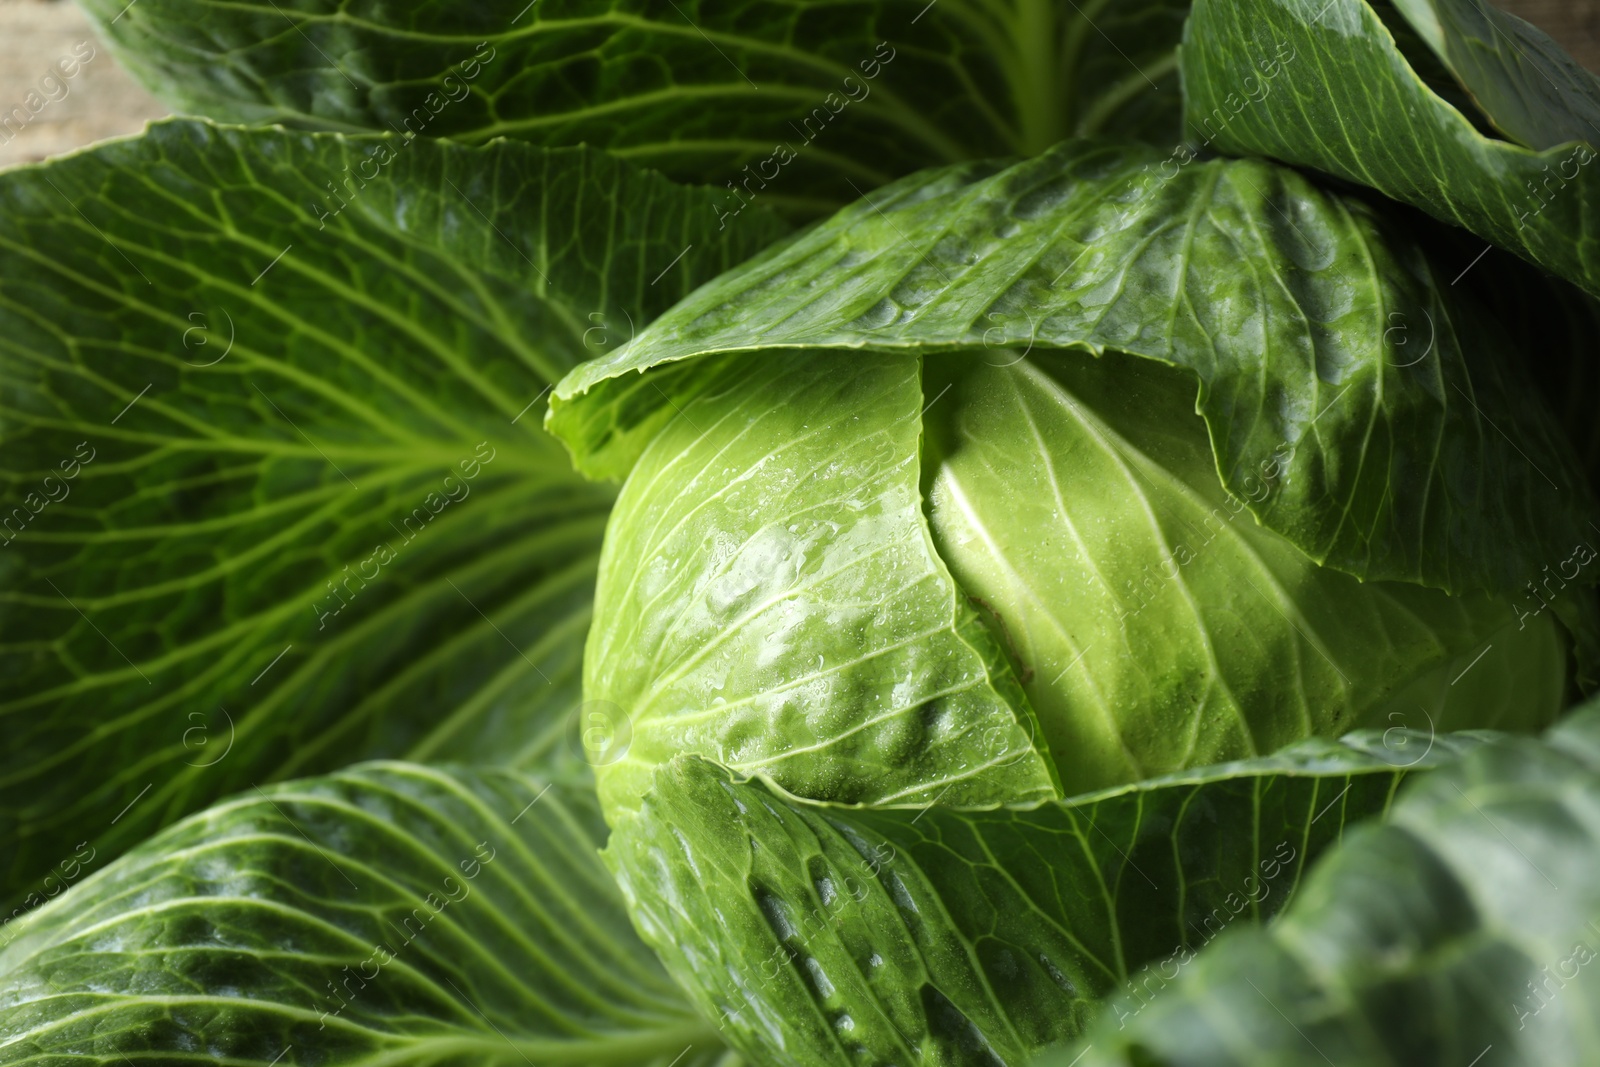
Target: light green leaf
(769,595)
(1463,930)
(275,494)
(832,935)
(1317,330)
(1154,625)
(772,597)
(797,103)
(391,914)
(1348,101)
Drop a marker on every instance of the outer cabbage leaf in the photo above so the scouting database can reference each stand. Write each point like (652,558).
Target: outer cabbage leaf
(790,101)
(769,595)
(1463,930)
(1521,80)
(828,935)
(390,914)
(1351,103)
(1317,330)
(276,497)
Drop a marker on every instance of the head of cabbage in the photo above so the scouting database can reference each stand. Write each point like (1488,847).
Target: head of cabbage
(884,543)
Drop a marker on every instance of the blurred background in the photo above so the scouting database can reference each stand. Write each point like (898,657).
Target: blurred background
(103,101)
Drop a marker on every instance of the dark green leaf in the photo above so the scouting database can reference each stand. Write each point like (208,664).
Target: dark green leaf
(1462,931)
(1342,97)
(1552,318)
(833,935)
(1521,80)
(276,496)
(798,103)
(390,914)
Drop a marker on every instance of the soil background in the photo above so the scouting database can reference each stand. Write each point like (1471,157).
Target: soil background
(103,101)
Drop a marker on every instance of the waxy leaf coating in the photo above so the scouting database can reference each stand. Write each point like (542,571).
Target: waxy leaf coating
(824,934)
(1316,330)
